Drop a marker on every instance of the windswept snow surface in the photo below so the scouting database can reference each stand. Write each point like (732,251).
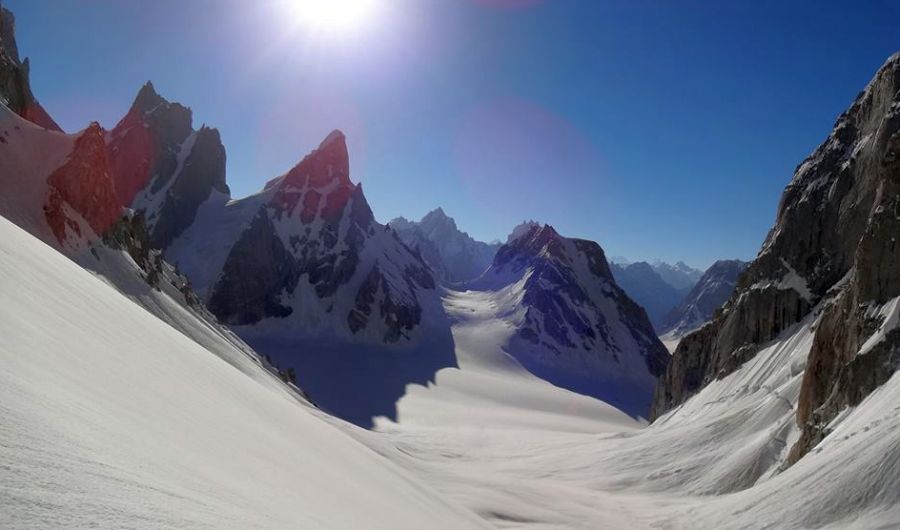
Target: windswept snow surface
(524,454)
(111,418)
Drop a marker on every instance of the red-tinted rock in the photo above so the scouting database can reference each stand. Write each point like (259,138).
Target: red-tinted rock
(85,185)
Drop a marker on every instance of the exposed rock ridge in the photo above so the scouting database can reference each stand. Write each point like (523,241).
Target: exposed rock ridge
(834,246)
(83,184)
(162,166)
(15,87)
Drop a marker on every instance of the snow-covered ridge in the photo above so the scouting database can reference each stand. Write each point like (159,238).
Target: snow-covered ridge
(575,326)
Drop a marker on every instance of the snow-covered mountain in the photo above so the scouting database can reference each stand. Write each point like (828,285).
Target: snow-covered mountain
(452,254)
(304,254)
(713,290)
(645,286)
(575,327)
(301,270)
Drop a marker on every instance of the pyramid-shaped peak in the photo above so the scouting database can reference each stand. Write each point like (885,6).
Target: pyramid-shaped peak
(329,162)
(335,137)
(437,219)
(147,98)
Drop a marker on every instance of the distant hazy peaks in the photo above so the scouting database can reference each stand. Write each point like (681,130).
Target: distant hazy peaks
(452,254)
(437,216)
(714,289)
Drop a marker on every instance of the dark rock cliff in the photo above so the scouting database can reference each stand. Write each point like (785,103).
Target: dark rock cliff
(15,87)
(833,245)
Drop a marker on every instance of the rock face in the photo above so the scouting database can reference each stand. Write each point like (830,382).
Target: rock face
(129,234)
(646,287)
(833,247)
(15,88)
(162,166)
(575,326)
(713,290)
(84,185)
(452,254)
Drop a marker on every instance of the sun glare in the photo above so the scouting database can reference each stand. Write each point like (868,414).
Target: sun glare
(333,15)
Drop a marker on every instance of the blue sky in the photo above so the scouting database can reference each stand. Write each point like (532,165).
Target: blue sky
(660,129)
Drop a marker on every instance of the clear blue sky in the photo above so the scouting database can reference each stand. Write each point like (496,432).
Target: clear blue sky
(661,129)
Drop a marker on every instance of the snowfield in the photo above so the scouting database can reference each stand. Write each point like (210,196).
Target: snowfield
(523,454)
(112,418)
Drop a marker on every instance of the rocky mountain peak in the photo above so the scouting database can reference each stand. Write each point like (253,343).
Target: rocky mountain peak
(162,166)
(319,187)
(153,110)
(832,248)
(575,326)
(453,255)
(83,184)
(327,166)
(437,220)
(8,33)
(533,241)
(15,87)
(148,98)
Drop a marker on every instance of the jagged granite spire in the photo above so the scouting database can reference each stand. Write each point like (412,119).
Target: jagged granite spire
(162,166)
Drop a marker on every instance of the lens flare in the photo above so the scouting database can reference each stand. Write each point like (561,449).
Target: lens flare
(333,15)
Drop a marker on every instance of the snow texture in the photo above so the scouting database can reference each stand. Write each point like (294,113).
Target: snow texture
(111,418)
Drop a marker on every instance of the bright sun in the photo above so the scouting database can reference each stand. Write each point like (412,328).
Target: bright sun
(333,14)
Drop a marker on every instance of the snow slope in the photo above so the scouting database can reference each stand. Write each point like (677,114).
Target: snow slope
(523,454)
(112,418)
